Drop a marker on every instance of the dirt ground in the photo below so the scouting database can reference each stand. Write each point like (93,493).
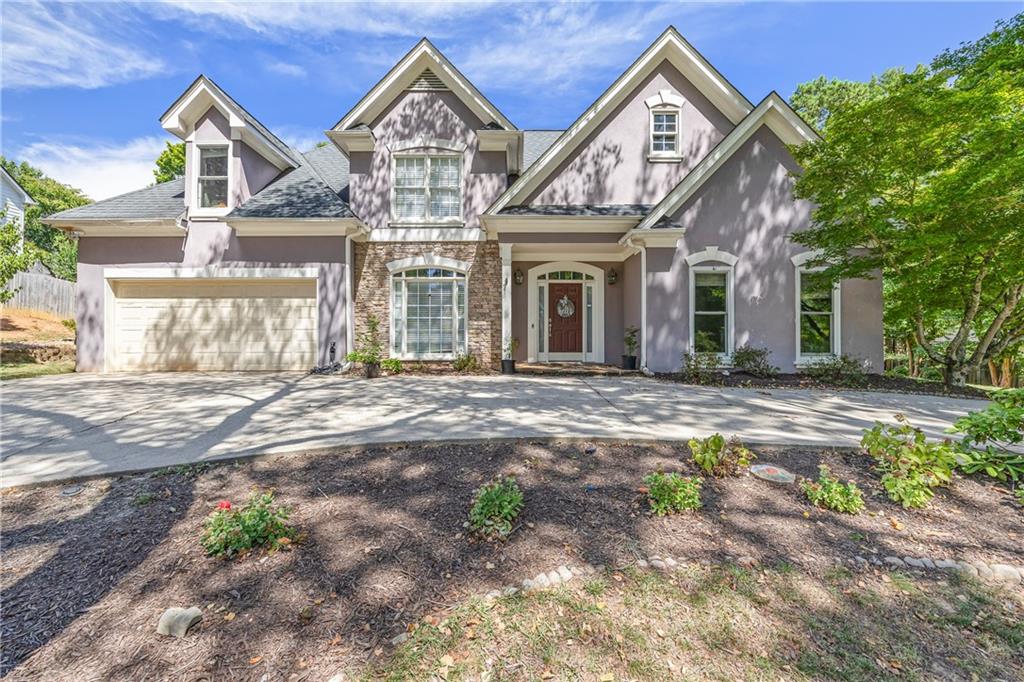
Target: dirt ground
(85,578)
(871,382)
(32,326)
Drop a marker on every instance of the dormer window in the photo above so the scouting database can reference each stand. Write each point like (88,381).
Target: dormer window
(213,177)
(665,132)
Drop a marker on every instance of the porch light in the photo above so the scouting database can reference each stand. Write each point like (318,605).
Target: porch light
(613,277)
(518,276)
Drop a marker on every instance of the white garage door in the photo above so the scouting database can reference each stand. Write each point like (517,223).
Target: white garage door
(214,325)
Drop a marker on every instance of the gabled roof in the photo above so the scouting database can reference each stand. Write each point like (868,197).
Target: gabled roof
(774,112)
(407,71)
(204,93)
(670,45)
(536,142)
(300,193)
(25,196)
(165,201)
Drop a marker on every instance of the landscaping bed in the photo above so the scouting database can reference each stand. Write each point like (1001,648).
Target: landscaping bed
(382,544)
(869,382)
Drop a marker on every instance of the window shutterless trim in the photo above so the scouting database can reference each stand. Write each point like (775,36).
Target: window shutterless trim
(836,314)
(460,343)
(196,209)
(427,219)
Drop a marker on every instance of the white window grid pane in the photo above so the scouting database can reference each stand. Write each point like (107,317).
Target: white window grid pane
(410,203)
(444,203)
(444,172)
(410,171)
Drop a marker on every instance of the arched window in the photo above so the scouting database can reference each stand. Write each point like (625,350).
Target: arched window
(711,302)
(817,311)
(665,108)
(428,313)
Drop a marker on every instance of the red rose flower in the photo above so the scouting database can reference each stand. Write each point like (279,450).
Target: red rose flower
(223,504)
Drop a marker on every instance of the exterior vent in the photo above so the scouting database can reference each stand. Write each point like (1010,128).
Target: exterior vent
(427,80)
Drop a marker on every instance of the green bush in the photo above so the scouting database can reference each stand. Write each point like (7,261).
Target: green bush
(495,506)
(754,361)
(672,493)
(369,346)
(720,458)
(391,365)
(1019,495)
(829,493)
(700,368)
(69,323)
(911,466)
(990,433)
(465,363)
(841,370)
(259,523)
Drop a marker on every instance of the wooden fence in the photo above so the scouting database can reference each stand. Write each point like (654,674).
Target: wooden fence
(35,291)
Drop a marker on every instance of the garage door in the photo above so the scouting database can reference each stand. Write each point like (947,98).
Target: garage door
(214,325)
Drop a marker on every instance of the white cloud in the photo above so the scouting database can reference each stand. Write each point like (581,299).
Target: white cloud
(299,137)
(54,45)
(100,169)
(286,69)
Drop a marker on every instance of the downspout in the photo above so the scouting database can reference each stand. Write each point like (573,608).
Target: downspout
(350,308)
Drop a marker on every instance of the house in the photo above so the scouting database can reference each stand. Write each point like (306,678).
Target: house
(13,200)
(666,205)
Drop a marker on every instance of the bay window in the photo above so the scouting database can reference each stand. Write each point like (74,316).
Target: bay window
(428,313)
(427,188)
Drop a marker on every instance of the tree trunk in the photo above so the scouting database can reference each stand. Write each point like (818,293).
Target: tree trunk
(1006,381)
(954,374)
(911,360)
(993,372)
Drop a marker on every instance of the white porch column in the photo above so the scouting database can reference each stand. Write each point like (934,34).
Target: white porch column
(506,298)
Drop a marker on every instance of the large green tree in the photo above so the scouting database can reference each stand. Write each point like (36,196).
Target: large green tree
(923,180)
(56,250)
(171,162)
(14,256)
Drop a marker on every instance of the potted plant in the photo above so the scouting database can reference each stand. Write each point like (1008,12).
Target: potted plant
(631,339)
(369,349)
(508,361)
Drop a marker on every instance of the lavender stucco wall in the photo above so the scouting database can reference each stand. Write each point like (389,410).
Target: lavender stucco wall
(747,209)
(207,244)
(418,116)
(250,171)
(611,165)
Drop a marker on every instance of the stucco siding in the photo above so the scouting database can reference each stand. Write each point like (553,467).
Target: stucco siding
(209,244)
(611,166)
(250,172)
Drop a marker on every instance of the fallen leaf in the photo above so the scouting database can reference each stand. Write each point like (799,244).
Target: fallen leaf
(447,661)
(255,659)
(229,616)
(546,675)
(895,523)
(607,677)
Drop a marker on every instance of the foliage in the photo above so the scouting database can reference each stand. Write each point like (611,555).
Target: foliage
(13,258)
(1018,494)
(829,493)
(841,370)
(700,368)
(754,361)
(259,523)
(171,162)
(509,347)
(818,99)
(672,493)
(369,347)
(719,457)
(631,339)
(922,181)
(465,363)
(495,506)
(391,365)
(59,253)
(70,324)
(911,466)
(989,435)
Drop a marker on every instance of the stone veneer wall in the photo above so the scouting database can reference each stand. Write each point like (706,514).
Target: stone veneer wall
(372,289)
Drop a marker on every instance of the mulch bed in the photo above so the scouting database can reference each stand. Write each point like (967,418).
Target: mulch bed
(872,382)
(85,578)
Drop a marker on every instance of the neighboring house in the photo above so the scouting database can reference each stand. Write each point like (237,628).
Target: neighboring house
(667,205)
(13,200)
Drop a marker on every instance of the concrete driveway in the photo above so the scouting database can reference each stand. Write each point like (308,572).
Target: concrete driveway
(80,424)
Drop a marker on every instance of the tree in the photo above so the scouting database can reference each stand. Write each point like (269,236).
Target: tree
(13,257)
(924,181)
(171,162)
(56,250)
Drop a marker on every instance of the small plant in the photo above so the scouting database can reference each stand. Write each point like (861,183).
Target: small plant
(989,435)
(509,347)
(911,466)
(1018,495)
(369,348)
(143,499)
(829,493)
(721,458)
(841,370)
(69,323)
(495,506)
(754,361)
(391,365)
(672,493)
(631,339)
(465,363)
(259,523)
(700,368)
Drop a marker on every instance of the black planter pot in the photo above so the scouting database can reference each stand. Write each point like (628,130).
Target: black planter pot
(628,362)
(508,366)
(371,370)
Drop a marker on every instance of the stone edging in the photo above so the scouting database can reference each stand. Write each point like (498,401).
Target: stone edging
(999,573)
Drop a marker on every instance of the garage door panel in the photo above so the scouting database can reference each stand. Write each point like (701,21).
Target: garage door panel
(215,325)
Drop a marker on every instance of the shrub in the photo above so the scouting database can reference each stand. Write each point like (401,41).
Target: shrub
(911,467)
(495,506)
(631,339)
(990,433)
(754,361)
(259,523)
(672,493)
(465,363)
(841,370)
(700,368)
(69,323)
(369,347)
(720,458)
(827,492)
(391,365)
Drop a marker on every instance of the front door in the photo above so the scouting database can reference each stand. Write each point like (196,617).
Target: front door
(565,323)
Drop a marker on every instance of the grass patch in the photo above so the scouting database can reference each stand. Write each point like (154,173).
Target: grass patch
(27,370)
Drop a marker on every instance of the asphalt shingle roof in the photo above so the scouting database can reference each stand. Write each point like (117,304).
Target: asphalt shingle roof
(610,210)
(165,201)
(536,142)
(300,193)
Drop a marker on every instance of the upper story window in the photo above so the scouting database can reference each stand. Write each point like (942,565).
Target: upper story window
(428,188)
(213,177)
(665,132)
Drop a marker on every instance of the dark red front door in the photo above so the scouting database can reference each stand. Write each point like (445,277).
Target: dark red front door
(565,317)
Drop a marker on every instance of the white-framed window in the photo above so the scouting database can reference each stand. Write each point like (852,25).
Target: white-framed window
(817,315)
(212,177)
(712,317)
(665,132)
(428,313)
(427,188)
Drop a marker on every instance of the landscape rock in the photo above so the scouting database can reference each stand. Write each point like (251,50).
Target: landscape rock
(399,639)
(984,572)
(565,574)
(641,563)
(928,563)
(894,561)
(947,564)
(554,577)
(1005,573)
(176,622)
(967,568)
(658,564)
(671,563)
(911,561)
(541,580)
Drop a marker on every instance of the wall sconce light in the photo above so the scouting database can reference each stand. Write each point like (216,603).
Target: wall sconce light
(518,276)
(613,277)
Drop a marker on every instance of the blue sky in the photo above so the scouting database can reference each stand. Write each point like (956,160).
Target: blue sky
(84,83)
